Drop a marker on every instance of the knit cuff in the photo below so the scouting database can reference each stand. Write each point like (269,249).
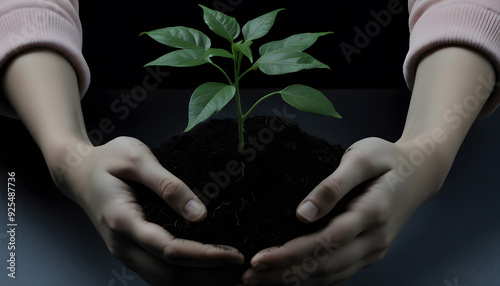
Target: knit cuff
(461,24)
(27,28)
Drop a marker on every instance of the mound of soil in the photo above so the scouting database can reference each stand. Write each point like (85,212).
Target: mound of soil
(251,195)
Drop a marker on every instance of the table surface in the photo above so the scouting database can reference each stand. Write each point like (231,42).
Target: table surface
(453,239)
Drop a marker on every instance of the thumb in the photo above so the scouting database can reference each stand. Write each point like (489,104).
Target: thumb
(171,189)
(360,163)
(142,166)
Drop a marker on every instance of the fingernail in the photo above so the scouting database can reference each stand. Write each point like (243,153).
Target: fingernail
(260,267)
(308,210)
(193,209)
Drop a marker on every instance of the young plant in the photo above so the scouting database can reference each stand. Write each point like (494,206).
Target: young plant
(276,58)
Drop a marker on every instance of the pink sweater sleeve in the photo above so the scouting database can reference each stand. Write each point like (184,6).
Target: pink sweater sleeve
(53,24)
(469,23)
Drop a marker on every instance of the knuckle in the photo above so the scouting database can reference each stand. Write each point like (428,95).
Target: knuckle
(362,154)
(132,150)
(129,160)
(363,158)
(383,243)
(168,187)
(377,215)
(134,156)
(170,254)
(333,189)
(371,143)
(125,140)
(382,215)
(116,224)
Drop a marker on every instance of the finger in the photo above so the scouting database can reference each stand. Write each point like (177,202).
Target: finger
(157,272)
(183,252)
(357,166)
(165,246)
(141,166)
(177,194)
(334,266)
(125,219)
(152,269)
(347,256)
(303,274)
(309,272)
(366,262)
(340,231)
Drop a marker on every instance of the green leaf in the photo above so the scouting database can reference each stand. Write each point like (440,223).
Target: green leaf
(308,99)
(282,62)
(221,24)
(180,37)
(181,58)
(207,100)
(218,53)
(245,49)
(298,43)
(260,26)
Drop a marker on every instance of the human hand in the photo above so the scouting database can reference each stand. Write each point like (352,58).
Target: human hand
(396,185)
(95,182)
(43,89)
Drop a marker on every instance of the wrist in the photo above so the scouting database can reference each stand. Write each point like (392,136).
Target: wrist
(64,155)
(429,155)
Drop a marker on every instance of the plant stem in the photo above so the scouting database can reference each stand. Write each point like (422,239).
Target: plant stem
(258,101)
(225,74)
(247,71)
(241,140)
(237,65)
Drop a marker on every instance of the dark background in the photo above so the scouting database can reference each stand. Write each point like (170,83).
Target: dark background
(451,240)
(116,54)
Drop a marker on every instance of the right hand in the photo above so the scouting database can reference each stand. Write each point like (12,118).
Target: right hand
(96,184)
(362,235)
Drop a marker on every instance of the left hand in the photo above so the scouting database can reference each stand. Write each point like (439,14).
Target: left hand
(98,185)
(361,236)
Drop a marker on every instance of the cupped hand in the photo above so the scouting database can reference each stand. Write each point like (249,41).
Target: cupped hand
(96,183)
(398,178)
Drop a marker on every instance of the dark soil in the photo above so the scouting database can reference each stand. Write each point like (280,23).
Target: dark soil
(251,196)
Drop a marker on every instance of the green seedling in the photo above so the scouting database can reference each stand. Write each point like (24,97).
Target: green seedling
(276,58)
